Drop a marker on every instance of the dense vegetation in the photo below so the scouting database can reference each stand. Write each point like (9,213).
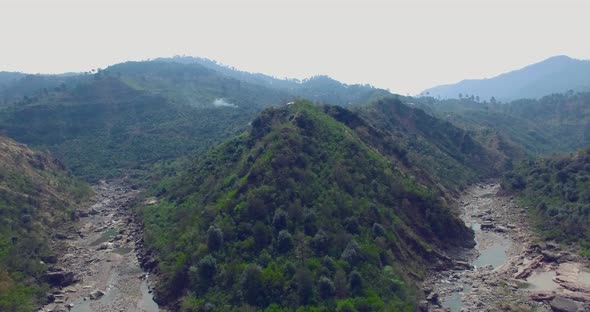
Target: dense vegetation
(128,117)
(557,193)
(299,211)
(556,123)
(429,147)
(319,89)
(35,195)
(106,128)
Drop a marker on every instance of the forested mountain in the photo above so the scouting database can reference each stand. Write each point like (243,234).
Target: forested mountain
(133,114)
(300,211)
(557,193)
(554,75)
(321,89)
(19,87)
(555,123)
(36,194)
(142,114)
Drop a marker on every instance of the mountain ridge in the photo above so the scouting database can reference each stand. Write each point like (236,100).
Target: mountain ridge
(553,75)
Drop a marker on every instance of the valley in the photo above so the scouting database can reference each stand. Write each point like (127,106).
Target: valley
(510,268)
(98,256)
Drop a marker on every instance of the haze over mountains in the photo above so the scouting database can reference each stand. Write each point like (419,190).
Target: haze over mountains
(557,74)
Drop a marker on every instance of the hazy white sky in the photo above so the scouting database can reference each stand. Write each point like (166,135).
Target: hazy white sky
(405,45)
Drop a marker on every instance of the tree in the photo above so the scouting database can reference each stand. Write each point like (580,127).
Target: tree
(304,285)
(352,253)
(214,238)
(284,241)
(252,285)
(356,282)
(279,220)
(326,287)
(261,235)
(320,241)
(340,284)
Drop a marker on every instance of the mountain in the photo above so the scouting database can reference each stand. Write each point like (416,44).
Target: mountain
(557,192)
(554,75)
(300,211)
(320,89)
(36,195)
(131,115)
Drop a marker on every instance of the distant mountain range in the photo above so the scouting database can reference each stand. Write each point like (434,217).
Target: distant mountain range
(557,74)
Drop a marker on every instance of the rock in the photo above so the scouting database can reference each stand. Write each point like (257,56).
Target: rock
(148,263)
(96,294)
(542,296)
(561,304)
(433,298)
(550,256)
(105,245)
(61,278)
(487,225)
(93,211)
(423,306)
(501,229)
(462,265)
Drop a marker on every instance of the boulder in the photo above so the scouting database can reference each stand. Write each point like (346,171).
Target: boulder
(433,298)
(462,265)
(561,304)
(550,256)
(487,225)
(61,278)
(96,294)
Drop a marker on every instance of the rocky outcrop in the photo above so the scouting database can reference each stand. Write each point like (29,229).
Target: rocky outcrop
(61,278)
(562,304)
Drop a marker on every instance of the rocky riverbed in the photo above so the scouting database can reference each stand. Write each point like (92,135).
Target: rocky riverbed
(510,268)
(98,267)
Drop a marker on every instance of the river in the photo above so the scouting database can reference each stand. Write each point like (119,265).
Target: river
(101,250)
(511,268)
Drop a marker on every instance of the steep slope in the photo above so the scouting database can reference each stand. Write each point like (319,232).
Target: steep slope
(430,146)
(299,211)
(557,192)
(36,194)
(554,75)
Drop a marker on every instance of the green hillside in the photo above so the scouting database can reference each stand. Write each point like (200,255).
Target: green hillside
(557,192)
(36,194)
(106,128)
(429,146)
(556,123)
(299,211)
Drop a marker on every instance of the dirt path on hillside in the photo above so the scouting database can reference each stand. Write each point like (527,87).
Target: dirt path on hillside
(510,268)
(97,268)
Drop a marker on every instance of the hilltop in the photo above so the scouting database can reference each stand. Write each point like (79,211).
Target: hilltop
(297,211)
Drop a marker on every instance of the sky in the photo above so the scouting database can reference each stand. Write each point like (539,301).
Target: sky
(405,46)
